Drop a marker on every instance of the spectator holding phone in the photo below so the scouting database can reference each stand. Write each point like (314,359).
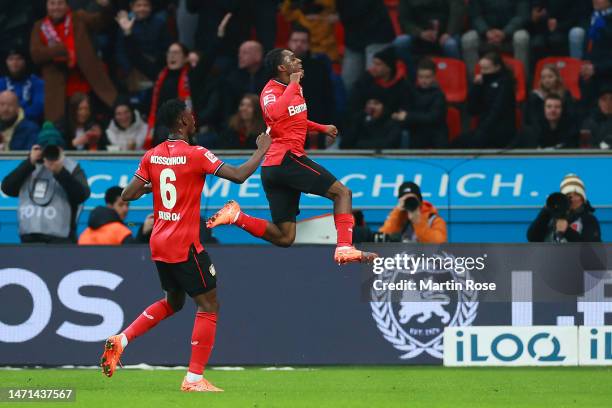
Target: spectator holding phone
(413,219)
(51,189)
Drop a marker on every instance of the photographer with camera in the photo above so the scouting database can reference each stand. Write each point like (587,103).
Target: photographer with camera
(412,219)
(51,189)
(566,217)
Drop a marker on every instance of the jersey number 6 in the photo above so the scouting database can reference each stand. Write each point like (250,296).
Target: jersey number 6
(167,189)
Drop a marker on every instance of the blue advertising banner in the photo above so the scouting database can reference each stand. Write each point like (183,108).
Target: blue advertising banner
(483,198)
(59,303)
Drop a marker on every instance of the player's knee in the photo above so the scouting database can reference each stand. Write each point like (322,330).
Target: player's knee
(176,301)
(208,307)
(344,193)
(286,241)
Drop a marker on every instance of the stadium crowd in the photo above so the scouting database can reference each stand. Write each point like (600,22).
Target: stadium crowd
(391,74)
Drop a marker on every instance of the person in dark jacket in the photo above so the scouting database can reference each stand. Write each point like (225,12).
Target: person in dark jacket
(29,88)
(367,30)
(491,99)
(317,84)
(558,27)
(598,126)
(16,132)
(596,72)
(384,80)
(51,189)
(373,128)
(555,130)
(140,43)
(578,225)
(500,24)
(106,223)
(424,113)
(551,83)
(430,27)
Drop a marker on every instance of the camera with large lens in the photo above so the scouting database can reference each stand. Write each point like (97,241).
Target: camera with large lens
(51,152)
(411,204)
(558,204)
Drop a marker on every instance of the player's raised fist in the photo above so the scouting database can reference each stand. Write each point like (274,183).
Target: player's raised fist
(264,140)
(295,77)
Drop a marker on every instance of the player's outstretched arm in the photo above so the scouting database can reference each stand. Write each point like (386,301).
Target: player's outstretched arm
(241,173)
(135,190)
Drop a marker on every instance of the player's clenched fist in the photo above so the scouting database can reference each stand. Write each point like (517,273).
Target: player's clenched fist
(331,130)
(296,77)
(264,141)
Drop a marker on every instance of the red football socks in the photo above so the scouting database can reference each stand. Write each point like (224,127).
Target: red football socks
(154,314)
(252,225)
(344,227)
(202,341)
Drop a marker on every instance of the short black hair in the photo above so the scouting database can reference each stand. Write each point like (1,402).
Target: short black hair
(298,28)
(426,64)
(554,96)
(273,59)
(169,113)
(112,194)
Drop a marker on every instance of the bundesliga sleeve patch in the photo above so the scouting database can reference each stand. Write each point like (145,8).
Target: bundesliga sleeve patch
(211,157)
(269,99)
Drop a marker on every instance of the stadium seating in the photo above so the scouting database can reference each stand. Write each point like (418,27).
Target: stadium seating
(453,121)
(569,69)
(452,77)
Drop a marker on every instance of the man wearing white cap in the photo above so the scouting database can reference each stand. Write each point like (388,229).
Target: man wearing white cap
(577,224)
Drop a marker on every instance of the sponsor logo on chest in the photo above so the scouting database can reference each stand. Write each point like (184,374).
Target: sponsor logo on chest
(295,109)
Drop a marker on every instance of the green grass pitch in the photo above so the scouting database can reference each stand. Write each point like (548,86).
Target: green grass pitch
(429,387)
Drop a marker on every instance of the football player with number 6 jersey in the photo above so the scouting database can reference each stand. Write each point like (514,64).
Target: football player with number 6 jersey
(174,171)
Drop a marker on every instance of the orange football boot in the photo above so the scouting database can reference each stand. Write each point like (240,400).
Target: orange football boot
(348,254)
(199,386)
(111,355)
(228,214)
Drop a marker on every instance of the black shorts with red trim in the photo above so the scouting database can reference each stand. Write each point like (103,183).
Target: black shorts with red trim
(285,183)
(195,276)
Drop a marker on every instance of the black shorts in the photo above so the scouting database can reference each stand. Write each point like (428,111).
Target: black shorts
(195,276)
(285,183)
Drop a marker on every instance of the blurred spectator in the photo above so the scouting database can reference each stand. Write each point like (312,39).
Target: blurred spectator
(367,30)
(499,24)
(83,132)
(413,219)
(316,84)
(597,129)
(244,126)
(247,14)
(248,77)
(29,88)
(384,79)
(141,41)
(16,131)
(361,231)
(569,220)
(430,27)
(424,113)
(51,189)
(551,83)
(172,82)
(492,100)
(554,130)
(597,70)
(126,130)
(557,27)
(106,227)
(319,18)
(69,66)
(373,128)
(16,18)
